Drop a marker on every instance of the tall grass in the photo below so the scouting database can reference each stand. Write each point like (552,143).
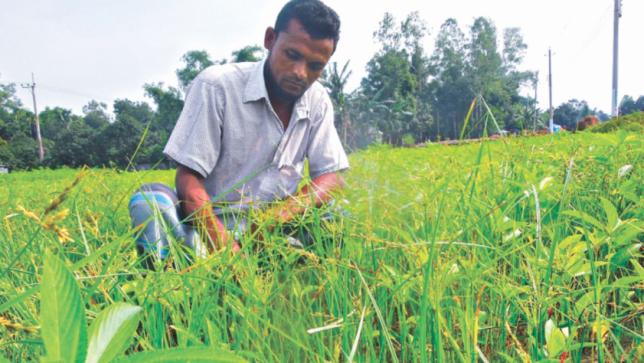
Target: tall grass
(515,250)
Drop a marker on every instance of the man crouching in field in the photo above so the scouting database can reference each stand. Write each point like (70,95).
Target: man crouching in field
(242,138)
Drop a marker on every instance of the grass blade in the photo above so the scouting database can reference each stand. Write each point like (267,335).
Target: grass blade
(354,347)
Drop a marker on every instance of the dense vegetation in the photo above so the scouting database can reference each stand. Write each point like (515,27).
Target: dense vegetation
(522,249)
(409,95)
(633,122)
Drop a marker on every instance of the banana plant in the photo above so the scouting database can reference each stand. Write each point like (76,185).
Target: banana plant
(67,339)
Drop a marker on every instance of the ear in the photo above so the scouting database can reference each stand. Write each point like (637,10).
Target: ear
(270,37)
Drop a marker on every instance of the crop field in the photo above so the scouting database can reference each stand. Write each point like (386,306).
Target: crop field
(517,250)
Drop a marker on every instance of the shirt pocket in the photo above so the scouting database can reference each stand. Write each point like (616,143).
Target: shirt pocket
(293,149)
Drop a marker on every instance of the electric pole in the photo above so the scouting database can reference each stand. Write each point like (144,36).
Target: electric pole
(551,126)
(617,15)
(32,87)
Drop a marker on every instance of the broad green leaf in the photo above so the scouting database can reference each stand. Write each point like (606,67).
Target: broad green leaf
(626,282)
(111,331)
(611,213)
(584,217)
(580,269)
(4,360)
(556,342)
(584,301)
(570,241)
(183,355)
(62,315)
(624,254)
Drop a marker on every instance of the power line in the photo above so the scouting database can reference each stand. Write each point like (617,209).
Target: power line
(70,92)
(55,89)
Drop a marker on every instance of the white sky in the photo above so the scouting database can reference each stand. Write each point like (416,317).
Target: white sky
(107,49)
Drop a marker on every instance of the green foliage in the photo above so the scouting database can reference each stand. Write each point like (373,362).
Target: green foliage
(96,138)
(251,53)
(111,332)
(633,122)
(64,331)
(24,152)
(62,315)
(335,82)
(629,105)
(195,62)
(389,98)
(191,355)
(447,252)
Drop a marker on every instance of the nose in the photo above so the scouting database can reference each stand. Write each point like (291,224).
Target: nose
(299,70)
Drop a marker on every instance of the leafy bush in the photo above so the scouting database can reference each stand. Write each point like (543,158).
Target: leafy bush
(633,122)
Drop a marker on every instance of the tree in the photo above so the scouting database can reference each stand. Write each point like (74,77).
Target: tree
(450,88)
(120,139)
(10,111)
(96,116)
(74,147)
(514,48)
(629,105)
(24,152)
(6,156)
(335,82)
(567,114)
(494,74)
(53,121)
(195,62)
(640,103)
(396,76)
(250,53)
(169,105)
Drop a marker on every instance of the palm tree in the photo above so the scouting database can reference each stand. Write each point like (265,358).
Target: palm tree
(335,83)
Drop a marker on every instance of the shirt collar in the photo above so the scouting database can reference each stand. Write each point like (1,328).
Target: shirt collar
(255,90)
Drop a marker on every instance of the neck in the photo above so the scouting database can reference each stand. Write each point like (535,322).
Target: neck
(283,106)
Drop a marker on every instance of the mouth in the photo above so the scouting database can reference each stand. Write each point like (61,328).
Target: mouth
(296,87)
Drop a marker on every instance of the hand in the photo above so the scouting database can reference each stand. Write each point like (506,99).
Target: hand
(236,247)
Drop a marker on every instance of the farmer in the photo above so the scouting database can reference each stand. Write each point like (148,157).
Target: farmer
(242,138)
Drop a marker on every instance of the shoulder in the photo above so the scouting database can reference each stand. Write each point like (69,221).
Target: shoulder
(225,76)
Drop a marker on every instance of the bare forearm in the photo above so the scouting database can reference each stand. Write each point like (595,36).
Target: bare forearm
(196,204)
(314,194)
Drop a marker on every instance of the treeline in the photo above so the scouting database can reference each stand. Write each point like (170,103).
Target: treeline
(411,95)
(133,137)
(408,95)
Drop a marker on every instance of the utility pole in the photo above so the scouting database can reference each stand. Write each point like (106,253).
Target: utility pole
(617,15)
(551,126)
(535,84)
(32,87)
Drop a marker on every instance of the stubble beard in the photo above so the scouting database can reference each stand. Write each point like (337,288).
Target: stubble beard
(274,89)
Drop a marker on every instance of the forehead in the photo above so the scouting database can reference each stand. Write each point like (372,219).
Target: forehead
(296,37)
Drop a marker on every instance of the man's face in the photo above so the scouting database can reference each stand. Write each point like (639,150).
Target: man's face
(295,60)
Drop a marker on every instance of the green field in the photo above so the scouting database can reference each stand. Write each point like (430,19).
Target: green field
(523,249)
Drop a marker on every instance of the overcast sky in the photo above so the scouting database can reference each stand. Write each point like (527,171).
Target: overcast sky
(107,49)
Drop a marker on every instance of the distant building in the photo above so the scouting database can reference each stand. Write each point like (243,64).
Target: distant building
(4,169)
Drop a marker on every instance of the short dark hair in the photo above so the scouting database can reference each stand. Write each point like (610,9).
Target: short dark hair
(319,20)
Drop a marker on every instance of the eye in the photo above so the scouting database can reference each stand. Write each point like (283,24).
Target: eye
(316,66)
(293,55)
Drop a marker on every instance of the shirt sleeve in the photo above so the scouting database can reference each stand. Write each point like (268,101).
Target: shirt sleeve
(325,151)
(195,141)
